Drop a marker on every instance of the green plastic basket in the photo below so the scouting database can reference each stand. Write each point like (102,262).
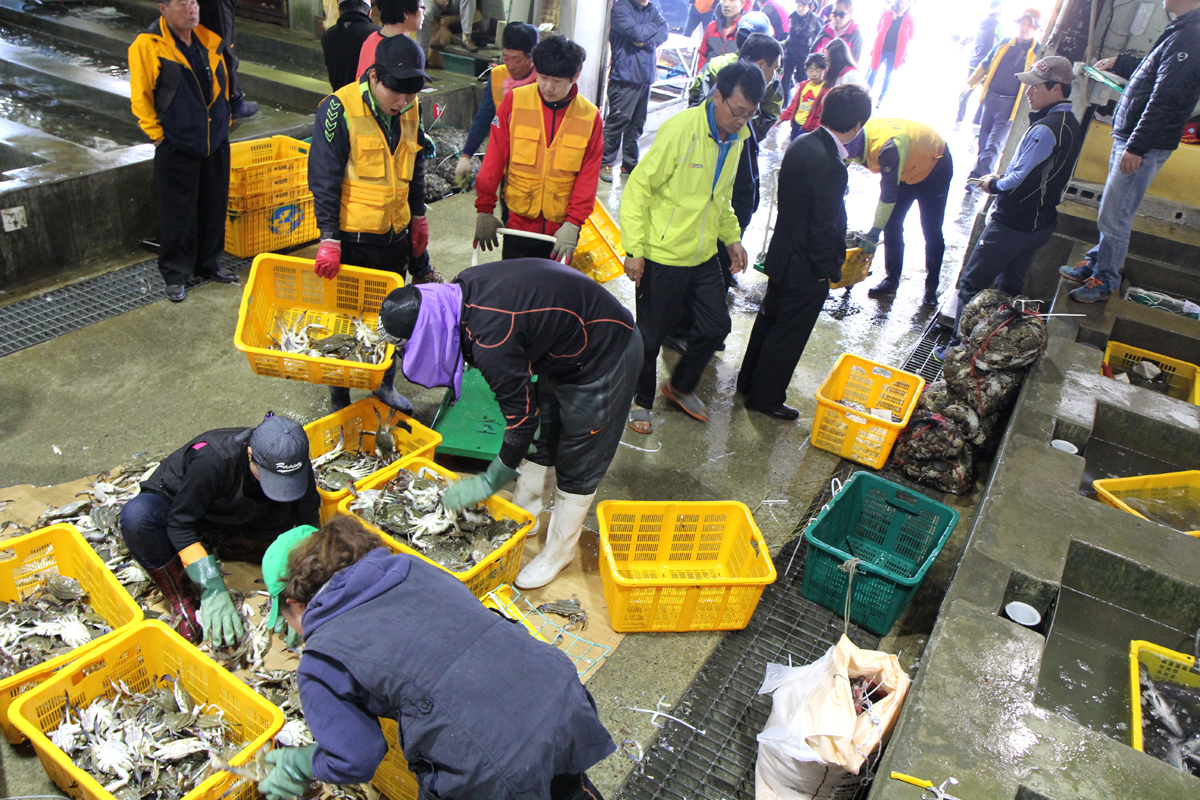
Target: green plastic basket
(473,427)
(894,532)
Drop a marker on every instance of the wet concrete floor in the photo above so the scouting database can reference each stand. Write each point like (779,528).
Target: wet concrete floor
(152,378)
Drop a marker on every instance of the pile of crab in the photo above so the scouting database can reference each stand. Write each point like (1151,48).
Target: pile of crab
(409,508)
(51,622)
(340,468)
(318,340)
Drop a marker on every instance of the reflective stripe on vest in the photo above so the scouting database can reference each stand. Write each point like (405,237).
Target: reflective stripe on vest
(540,179)
(375,186)
(499,73)
(925,146)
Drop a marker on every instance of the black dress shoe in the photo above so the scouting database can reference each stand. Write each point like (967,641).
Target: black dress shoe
(781,411)
(678,345)
(222,275)
(176,292)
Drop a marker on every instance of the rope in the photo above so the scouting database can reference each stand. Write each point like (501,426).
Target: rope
(849,566)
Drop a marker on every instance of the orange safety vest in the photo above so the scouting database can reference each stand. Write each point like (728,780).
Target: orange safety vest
(540,179)
(375,186)
(920,146)
(499,73)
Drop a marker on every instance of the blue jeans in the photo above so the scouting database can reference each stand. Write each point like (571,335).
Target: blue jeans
(887,64)
(995,121)
(1118,205)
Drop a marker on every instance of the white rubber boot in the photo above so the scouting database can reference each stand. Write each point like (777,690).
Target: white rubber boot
(535,486)
(566,522)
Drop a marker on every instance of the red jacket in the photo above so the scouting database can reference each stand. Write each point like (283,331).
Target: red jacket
(907,27)
(718,40)
(495,163)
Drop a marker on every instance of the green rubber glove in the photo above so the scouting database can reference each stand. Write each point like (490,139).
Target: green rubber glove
(222,625)
(870,241)
(477,488)
(291,639)
(293,773)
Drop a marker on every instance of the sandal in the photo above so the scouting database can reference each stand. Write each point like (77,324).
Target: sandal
(640,415)
(692,406)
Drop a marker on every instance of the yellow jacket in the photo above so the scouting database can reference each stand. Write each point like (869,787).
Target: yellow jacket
(987,69)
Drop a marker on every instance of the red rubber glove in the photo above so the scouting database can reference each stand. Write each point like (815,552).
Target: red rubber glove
(329,259)
(418,229)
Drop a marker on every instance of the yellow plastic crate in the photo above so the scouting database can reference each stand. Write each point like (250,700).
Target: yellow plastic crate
(285,287)
(271,199)
(855,435)
(1163,665)
(599,254)
(855,269)
(264,230)
(139,656)
(393,777)
(1176,488)
(347,424)
(688,566)
(1181,376)
(25,564)
(500,567)
(263,166)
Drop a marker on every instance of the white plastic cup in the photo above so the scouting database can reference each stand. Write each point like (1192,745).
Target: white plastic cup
(1065,446)
(1023,614)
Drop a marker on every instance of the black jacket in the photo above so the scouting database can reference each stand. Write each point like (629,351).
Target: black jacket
(802,33)
(1163,89)
(809,243)
(985,39)
(342,45)
(630,23)
(1032,205)
(213,492)
(533,316)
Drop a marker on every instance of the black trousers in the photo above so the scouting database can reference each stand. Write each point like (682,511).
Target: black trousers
(573,787)
(781,330)
(391,257)
(930,196)
(626,118)
(791,67)
(580,426)
(217,16)
(663,295)
(193,194)
(524,247)
(144,530)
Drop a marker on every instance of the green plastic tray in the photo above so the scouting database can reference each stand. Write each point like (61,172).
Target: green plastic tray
(473,427)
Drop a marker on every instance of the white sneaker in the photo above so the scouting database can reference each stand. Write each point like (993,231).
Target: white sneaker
(566,522)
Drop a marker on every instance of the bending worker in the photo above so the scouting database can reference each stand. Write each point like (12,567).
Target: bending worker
(916,167)
(231,491)
(390,637)
(515,320)
(368,181)
(547,142)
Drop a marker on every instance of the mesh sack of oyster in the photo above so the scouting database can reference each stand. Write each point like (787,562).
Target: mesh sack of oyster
(929,437)
(952,477)
(1008,338)
(409,508)
(51,622)
(987,392)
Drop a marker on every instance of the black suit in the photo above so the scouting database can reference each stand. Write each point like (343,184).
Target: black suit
(806,251)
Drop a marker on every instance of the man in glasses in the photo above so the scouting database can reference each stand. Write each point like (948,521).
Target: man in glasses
(676,207)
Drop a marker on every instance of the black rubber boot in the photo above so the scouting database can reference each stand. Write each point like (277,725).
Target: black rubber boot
(339,398)
(177,590)
(387,394)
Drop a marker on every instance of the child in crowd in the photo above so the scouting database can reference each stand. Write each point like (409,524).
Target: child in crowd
(806,93)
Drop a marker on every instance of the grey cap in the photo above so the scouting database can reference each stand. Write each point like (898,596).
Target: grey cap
(1051,69)
(280,449)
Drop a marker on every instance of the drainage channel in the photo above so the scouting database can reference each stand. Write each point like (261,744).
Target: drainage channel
(39,319)
(723,702)
(921,360)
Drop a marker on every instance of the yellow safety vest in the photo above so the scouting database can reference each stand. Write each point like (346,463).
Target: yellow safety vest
(921,146)
(375,186)
(540,179)
(499,73)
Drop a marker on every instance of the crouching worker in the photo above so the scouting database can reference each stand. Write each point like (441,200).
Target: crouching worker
(390,636)
(514,320)
(367,177)
(231,491)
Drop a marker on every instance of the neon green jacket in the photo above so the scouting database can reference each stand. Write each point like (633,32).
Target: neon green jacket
(670,212)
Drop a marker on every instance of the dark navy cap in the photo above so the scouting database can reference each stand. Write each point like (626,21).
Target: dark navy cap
(280,449)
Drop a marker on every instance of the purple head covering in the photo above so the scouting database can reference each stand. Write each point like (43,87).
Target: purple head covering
(855,147)
(433,356)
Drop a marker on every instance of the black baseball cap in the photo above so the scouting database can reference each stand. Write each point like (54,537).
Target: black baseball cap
(401,57)
(279,447)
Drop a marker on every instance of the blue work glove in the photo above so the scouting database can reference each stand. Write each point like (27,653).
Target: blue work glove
(222,624)
(291,639)
(293,773)
(469,491)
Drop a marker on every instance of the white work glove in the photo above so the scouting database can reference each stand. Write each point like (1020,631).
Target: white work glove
(486,226)
(462,172)
(565,241)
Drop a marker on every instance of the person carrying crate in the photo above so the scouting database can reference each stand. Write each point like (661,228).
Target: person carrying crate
(515,320)
(367,178)
(546,146)
(179,91)
(391,636)
(231,491)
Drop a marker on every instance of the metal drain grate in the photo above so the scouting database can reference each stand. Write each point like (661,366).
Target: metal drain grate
(921,360)
(39,319)
(722,701)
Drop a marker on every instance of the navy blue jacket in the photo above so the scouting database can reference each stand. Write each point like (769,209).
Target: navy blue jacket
(809,243)
(630,23)
(410,642)
(1163,89)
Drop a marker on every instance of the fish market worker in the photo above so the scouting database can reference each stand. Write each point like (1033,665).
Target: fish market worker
(514,320)
(231,490)
(367,177)
(390,636)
